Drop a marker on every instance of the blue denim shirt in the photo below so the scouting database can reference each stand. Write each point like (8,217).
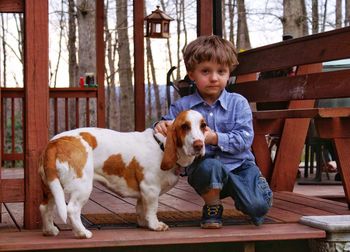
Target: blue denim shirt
(231,118)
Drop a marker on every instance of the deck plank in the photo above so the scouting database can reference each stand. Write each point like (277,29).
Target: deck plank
(142,237)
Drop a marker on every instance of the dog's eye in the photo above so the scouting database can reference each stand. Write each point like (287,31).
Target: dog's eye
(185,127)
(203,126)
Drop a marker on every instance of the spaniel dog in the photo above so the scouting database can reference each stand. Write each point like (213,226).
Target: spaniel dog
(142,165)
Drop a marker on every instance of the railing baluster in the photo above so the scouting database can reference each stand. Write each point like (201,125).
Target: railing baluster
(66,113)
(77,112)
(55,108)
(13,129)
(2,130)
(88,112)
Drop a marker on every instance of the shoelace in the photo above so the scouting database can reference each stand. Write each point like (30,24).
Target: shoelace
(213,210)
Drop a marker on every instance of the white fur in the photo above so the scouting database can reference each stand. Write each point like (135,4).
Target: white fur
(140,146)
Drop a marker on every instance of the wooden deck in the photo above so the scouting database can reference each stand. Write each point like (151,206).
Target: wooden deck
(281,226)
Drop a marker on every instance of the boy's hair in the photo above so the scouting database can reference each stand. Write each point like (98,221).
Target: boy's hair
(210,48)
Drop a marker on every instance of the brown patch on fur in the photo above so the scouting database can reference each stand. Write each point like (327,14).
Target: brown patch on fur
(64,149)
(47,195)
(89,138)
(132,173)
(175,136)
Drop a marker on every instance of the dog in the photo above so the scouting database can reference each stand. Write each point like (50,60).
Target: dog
(132,164)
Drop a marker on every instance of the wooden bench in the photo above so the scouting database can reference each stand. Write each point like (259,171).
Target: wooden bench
(300,91)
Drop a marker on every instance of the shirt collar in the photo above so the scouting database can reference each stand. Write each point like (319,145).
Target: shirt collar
(197,99)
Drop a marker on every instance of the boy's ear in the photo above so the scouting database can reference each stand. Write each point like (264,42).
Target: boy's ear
(190,75)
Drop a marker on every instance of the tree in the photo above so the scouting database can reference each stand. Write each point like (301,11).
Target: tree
(126,100)
(315,17)
(294,19)
(87,39)
(243,41)
(338,14)
(111,98)
(72,48)
(347,13)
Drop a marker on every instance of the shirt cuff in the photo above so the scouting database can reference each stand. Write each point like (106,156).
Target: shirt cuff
(223,141)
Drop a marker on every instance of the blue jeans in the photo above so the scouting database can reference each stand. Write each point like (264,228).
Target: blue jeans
(245,184)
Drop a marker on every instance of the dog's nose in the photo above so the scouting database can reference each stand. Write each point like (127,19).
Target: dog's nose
(198,145)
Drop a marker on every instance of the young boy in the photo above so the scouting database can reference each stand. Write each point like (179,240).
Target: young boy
(228,167)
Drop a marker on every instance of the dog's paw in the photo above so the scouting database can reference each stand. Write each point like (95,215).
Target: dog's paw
(141,222)
(53,231)
(160,226)
(83,234)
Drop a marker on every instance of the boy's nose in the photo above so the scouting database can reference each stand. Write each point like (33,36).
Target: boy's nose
(214,76)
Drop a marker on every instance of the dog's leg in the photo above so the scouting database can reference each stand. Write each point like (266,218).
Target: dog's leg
(47,211)
(141,221)
(78,198)
(150,205)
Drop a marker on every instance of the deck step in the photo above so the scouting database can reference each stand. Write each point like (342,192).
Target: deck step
(120,238)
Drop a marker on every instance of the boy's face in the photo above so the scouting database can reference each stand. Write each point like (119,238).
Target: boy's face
(210,78)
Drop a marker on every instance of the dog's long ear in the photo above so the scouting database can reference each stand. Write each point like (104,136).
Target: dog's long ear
(170,155)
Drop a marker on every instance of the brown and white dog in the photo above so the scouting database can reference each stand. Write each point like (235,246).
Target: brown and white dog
(131,164)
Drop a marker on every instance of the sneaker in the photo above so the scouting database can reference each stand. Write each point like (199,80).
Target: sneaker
(212,216)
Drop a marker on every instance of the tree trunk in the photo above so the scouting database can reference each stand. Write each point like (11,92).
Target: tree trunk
(315,18)
(72,59)
(124,68)
(338,14)
(87,39)
(243,41)
(112,99)
(294,18)
(323,28)
(86,16)
(231,4)
(347,13)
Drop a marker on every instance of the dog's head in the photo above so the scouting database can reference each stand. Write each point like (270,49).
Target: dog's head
(185,139)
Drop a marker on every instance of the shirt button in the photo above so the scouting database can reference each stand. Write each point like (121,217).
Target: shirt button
(211,113)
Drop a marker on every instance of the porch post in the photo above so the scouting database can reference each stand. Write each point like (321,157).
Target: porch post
(204,17)
(36,103)
(139,75)
(100,64)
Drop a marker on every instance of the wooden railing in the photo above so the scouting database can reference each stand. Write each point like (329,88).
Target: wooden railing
(69,108)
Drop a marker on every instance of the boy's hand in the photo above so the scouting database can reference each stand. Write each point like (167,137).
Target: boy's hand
(162,127)
(210,136)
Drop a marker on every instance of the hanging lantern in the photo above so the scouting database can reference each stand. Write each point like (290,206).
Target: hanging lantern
(157,24)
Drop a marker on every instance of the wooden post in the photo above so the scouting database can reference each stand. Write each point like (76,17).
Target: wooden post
(217,18)
(204,17)
(36,103)
(100,64)
(139,75)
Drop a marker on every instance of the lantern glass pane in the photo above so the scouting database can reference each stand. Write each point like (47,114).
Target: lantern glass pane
(158,28)
(166,27)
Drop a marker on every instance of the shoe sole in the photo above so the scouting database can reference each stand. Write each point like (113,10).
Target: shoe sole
(211,226)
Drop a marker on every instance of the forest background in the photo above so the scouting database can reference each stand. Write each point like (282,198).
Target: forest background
(247,23)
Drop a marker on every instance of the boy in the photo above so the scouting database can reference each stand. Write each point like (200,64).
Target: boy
(228,167)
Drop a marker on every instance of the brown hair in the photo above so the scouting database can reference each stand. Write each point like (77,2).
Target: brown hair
(210,48)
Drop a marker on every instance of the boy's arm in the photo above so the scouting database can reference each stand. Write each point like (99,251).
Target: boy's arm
(162,125)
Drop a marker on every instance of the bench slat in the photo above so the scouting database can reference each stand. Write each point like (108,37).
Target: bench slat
(303,113)
(315,48)
(302,87)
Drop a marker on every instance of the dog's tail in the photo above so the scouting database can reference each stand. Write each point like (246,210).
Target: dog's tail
(58,194)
